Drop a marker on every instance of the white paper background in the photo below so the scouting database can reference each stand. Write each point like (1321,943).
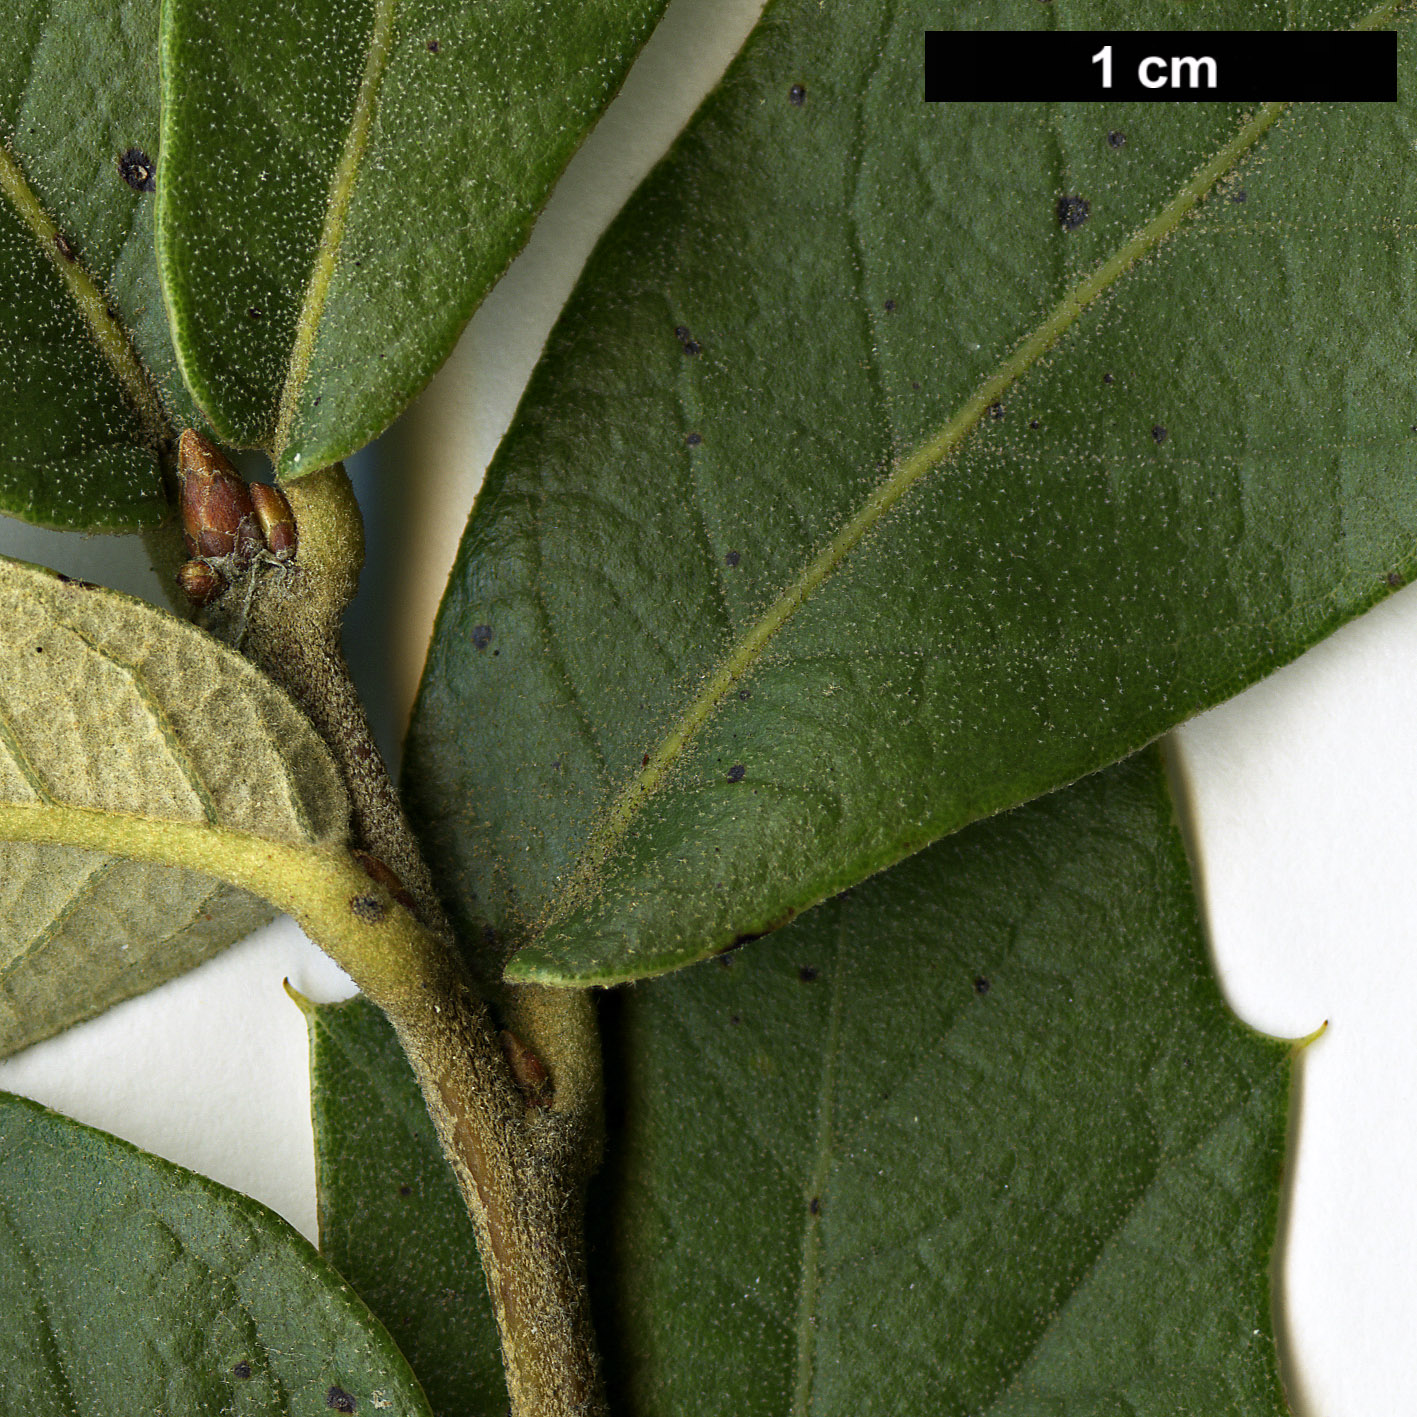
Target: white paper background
(1301,793)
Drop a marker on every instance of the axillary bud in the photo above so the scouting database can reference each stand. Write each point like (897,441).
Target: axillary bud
(276,520)
(218,516)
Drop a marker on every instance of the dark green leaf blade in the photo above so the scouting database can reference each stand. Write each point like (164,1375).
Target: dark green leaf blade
(391,1219)
(89,387)
(343,185)
(131,1285)
(980,1137)
(859,494)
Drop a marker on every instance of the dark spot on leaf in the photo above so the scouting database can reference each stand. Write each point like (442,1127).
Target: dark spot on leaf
(745,694)
(915,383)
(1034,423)
(242,1370)
(489,937)
(815,1205)
(725,956)
(644,761)
(254,311)
(405,1190)
(1394,579)
(112,313)
(339,1400)
(732,558)
(136,169)
(62,246)
(735,773)
(556,766)
(890,307)
(1072,212)
(433,46)
(808,973)
(797,95)
(369,907)
(691,347)
(1116,138)
(694,439)
(481,636)
(735,1019)
(1239,195)
(1109,378)
(39,649)
(681,333)
(1158,432)
(981,985)
(996,412)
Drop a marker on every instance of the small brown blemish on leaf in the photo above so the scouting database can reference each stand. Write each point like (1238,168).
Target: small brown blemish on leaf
(732,558)
(797,95)
(745,694)
(369,908)
(735,773)
(136,169)
(1034,423)
(809,973)
(339,1400)
(405,1189)
(62,246)
(734,1019)
(644,761)
(1239,195)
(481,636)
(75,582)
(694,439)
(981,984)
(254,311)
(1394,579)
(815,1205)
(1072,212)
(433,46)
(1158,432)
(1109,378)
(1116,138)
(687,342)
(242,1370)
(890,307)
(996,412)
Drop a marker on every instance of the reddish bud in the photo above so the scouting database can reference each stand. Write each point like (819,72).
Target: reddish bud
(528,1071)
(276,520)
(378,871)
(200,582)
(218,518)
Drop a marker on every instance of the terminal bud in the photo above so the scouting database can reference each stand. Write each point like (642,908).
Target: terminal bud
(218,517)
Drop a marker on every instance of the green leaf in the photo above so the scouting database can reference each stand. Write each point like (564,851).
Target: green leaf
(131,1285)
(391,1219)
(979,1137)
(89,389)
(859,495)
(140,720)
(344,182)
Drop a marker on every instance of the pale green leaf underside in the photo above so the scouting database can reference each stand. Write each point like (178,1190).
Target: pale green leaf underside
(129,1285)
(111,705)
(89,388)
(858,496)
(978,1139)
(344,182)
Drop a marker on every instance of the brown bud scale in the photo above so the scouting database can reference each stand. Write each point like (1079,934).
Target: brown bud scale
(200,582)
(276,520)
(379,871)
(218,516)
(528,1071)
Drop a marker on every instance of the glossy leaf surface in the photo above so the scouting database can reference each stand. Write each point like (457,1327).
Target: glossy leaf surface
(89,388)
(345,181)
(391,1219)
(131,1285)
(111,705)
(979,1137)
(894,463)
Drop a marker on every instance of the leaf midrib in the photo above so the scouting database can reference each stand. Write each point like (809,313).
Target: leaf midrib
(341,194)
(112,340)
(616,820)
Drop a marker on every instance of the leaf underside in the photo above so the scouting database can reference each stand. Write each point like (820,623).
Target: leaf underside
(998,1147)
(391,1219)
(110,704)
(857,496)
(131,1285)
(344,182)
(89,388)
